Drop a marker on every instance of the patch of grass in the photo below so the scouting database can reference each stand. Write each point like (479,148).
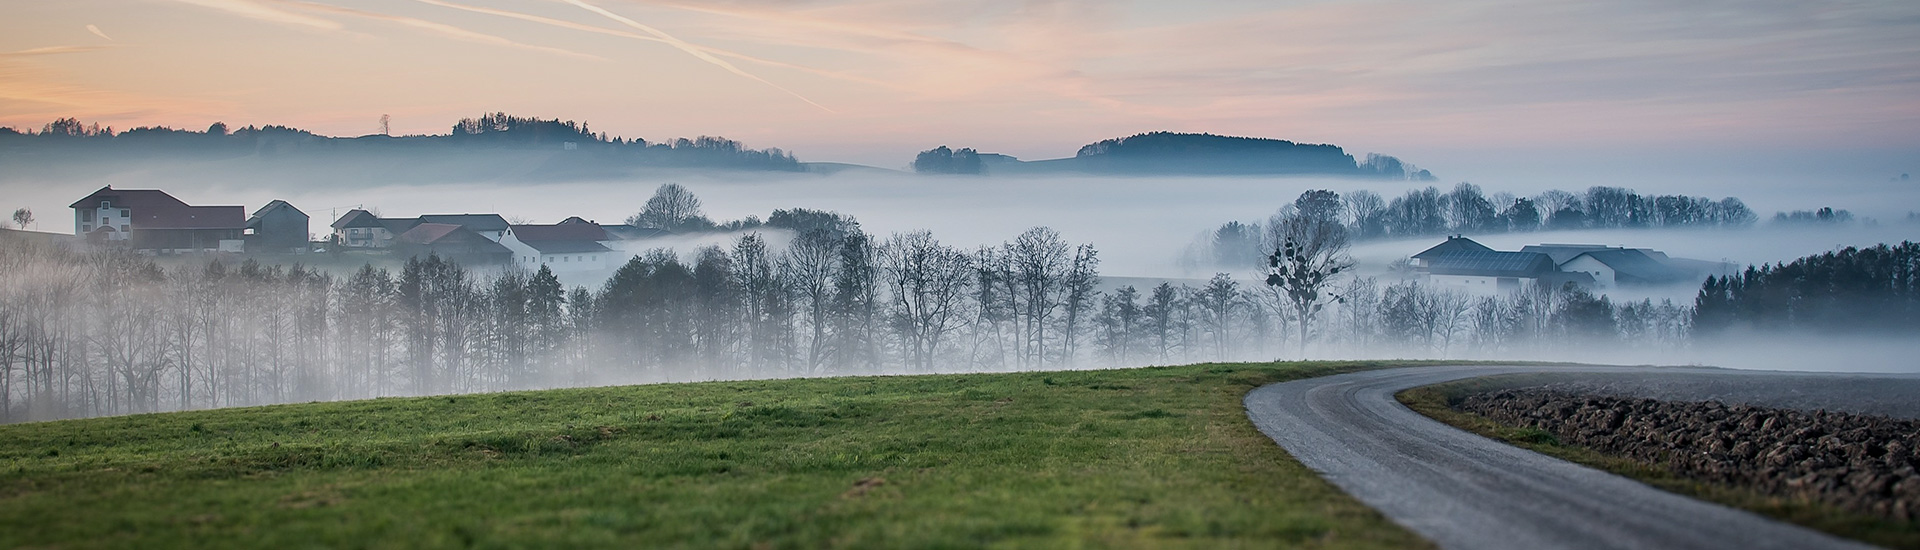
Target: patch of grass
(1437,402)
(1140,458)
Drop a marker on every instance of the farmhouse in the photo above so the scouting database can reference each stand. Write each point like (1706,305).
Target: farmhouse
(452,242)
(573,245)
(277,227)
(1611,266)
(152,220)
(361,229)
(1462,264)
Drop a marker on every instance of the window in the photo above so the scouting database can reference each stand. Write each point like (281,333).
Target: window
(123,227)
(106,204)
(86,215)
(86,227)
(123,213)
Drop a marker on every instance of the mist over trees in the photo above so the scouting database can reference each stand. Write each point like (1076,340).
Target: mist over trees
(112,332)
(1430,212)
(1171,153)
(1873,290)
(941,160)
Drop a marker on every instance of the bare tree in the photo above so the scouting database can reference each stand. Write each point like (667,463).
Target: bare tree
(22,217)
(1308,252)
(929,283)
(670,208)
(808,268)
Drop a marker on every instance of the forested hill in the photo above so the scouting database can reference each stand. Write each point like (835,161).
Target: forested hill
(1170,153)
(495,146)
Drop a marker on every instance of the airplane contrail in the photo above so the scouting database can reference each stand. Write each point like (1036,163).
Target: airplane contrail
(691,49)
(96,32)
(627,34)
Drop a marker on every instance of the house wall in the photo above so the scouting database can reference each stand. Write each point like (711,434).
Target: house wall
(364,237)
(281,230)
(85,220)
(1602,274)
(1473,284)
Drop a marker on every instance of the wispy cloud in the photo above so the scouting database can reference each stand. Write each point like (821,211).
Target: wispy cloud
(442,29)
(561,23)
(691,49)
(97,32)
(272,11)
(260,11)
(52,50)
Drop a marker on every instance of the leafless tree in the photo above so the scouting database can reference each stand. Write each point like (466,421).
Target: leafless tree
(1308,251)
(671,206)
(928,282)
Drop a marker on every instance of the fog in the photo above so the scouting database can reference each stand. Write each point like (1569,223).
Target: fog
(1140,227)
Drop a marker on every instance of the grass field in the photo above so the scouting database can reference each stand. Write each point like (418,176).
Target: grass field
(1153,458)
(1435,402)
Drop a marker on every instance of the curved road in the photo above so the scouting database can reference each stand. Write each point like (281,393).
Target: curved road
(1464,491)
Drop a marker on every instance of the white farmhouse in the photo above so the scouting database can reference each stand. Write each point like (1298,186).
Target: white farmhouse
(576,247)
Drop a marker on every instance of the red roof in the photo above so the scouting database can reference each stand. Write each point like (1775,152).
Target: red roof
(155,209)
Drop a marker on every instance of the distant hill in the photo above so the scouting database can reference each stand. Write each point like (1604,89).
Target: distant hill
(493,147)
(1170,153)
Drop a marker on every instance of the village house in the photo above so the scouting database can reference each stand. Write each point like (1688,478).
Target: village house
(1459,263)
(451,242)
(277,227)
(152,220)
(359,228)
(573,245)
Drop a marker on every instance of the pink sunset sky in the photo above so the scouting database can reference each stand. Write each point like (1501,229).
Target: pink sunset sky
(873,81)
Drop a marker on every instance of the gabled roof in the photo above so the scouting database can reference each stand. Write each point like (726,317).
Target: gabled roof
(428,233)
(473,222)
(1491,264)
(1561,253)
(356,218)
(1636,266)
(275,206)
(562,238)
(155,209)
(1453,245)
(448,238)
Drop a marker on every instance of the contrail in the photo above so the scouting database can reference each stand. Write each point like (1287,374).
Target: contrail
(691,49)
(442,28)
(626,34)
(96,32)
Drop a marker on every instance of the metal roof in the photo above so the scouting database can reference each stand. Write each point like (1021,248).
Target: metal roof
(1491,263)
(1451,246)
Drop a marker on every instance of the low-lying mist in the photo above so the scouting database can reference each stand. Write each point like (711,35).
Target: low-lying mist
(1139,227)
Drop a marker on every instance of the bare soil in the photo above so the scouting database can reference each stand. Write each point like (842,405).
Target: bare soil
(1865,463)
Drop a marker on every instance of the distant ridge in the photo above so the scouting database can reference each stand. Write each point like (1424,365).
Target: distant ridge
(492,147)
(1172,153)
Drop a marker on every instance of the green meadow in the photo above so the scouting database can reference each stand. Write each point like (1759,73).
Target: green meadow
(1158,457)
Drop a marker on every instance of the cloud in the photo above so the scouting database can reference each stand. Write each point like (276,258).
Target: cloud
(52,50)
(691,49)
(648,38)
(97,32)
(442,29)
(256,10)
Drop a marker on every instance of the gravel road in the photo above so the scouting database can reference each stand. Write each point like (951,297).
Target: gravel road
(1464,491)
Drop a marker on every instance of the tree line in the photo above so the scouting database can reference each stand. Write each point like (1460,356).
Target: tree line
(492,130)
(111,332)
(1429,212)
(1852,290)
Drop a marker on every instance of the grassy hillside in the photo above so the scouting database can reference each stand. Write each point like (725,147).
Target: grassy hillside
(1159,457)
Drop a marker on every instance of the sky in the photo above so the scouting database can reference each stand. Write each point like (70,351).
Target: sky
(1466,83)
